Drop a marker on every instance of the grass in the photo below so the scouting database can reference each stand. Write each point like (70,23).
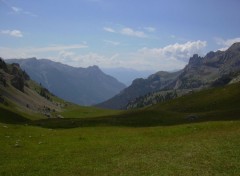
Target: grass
(210,148)
(219,104)
(74,111)
(158,140)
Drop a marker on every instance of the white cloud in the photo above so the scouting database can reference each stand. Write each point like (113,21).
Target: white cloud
(112,42)
(38,51)
(18,10)
(170,57)
(13,33)
(127,31)
(80,60)
(66,54)
(225,44)
(108,29)
(176,51)
(58,48)
(133,33)
(150,29)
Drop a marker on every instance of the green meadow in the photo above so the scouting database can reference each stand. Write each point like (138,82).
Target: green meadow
(197,134)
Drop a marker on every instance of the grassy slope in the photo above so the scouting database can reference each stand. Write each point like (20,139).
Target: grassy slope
(164,142)
(209,105)
(28,102)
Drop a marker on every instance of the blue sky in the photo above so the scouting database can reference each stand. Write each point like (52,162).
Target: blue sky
(144,35)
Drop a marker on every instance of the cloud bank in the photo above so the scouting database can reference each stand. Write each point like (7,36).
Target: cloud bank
(12,33)
(176,51)
(170,57)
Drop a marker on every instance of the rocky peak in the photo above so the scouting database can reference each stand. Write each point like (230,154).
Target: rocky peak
(210,55)
(195,59)
(94,69)
(3,65)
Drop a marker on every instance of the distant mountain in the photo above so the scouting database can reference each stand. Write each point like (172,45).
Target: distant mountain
(126,75)
(140,87)
(215,69)
(85,86)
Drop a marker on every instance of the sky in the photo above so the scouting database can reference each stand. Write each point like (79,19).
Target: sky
(139,34)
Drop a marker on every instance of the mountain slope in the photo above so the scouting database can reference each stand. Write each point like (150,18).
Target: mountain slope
(215,69)
(214,104)
(140,87)
(83,86)
(18,93)
(203,71)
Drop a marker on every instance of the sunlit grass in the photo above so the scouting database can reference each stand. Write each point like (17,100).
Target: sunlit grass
(210,148)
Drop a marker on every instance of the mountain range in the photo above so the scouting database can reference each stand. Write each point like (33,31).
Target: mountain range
(204,71)
(216,68)
(140,87)
(84,86)
(32,119)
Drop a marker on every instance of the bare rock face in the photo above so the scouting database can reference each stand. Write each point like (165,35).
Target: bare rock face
(19,77)
(195,60)
(18,83)
(220,66)
(3,65)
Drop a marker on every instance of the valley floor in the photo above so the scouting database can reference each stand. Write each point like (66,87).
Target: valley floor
(197,134)
(207,148)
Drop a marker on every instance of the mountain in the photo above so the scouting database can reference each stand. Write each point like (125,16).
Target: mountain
(204,71)
(140,87)
(215,69)
(126,75)
(18,92)
(85,86)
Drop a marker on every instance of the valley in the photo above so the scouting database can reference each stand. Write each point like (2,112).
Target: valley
(196,133)
(119,88)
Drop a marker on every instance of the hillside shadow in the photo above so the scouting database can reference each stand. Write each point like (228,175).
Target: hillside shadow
(9,117)
(139,119)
